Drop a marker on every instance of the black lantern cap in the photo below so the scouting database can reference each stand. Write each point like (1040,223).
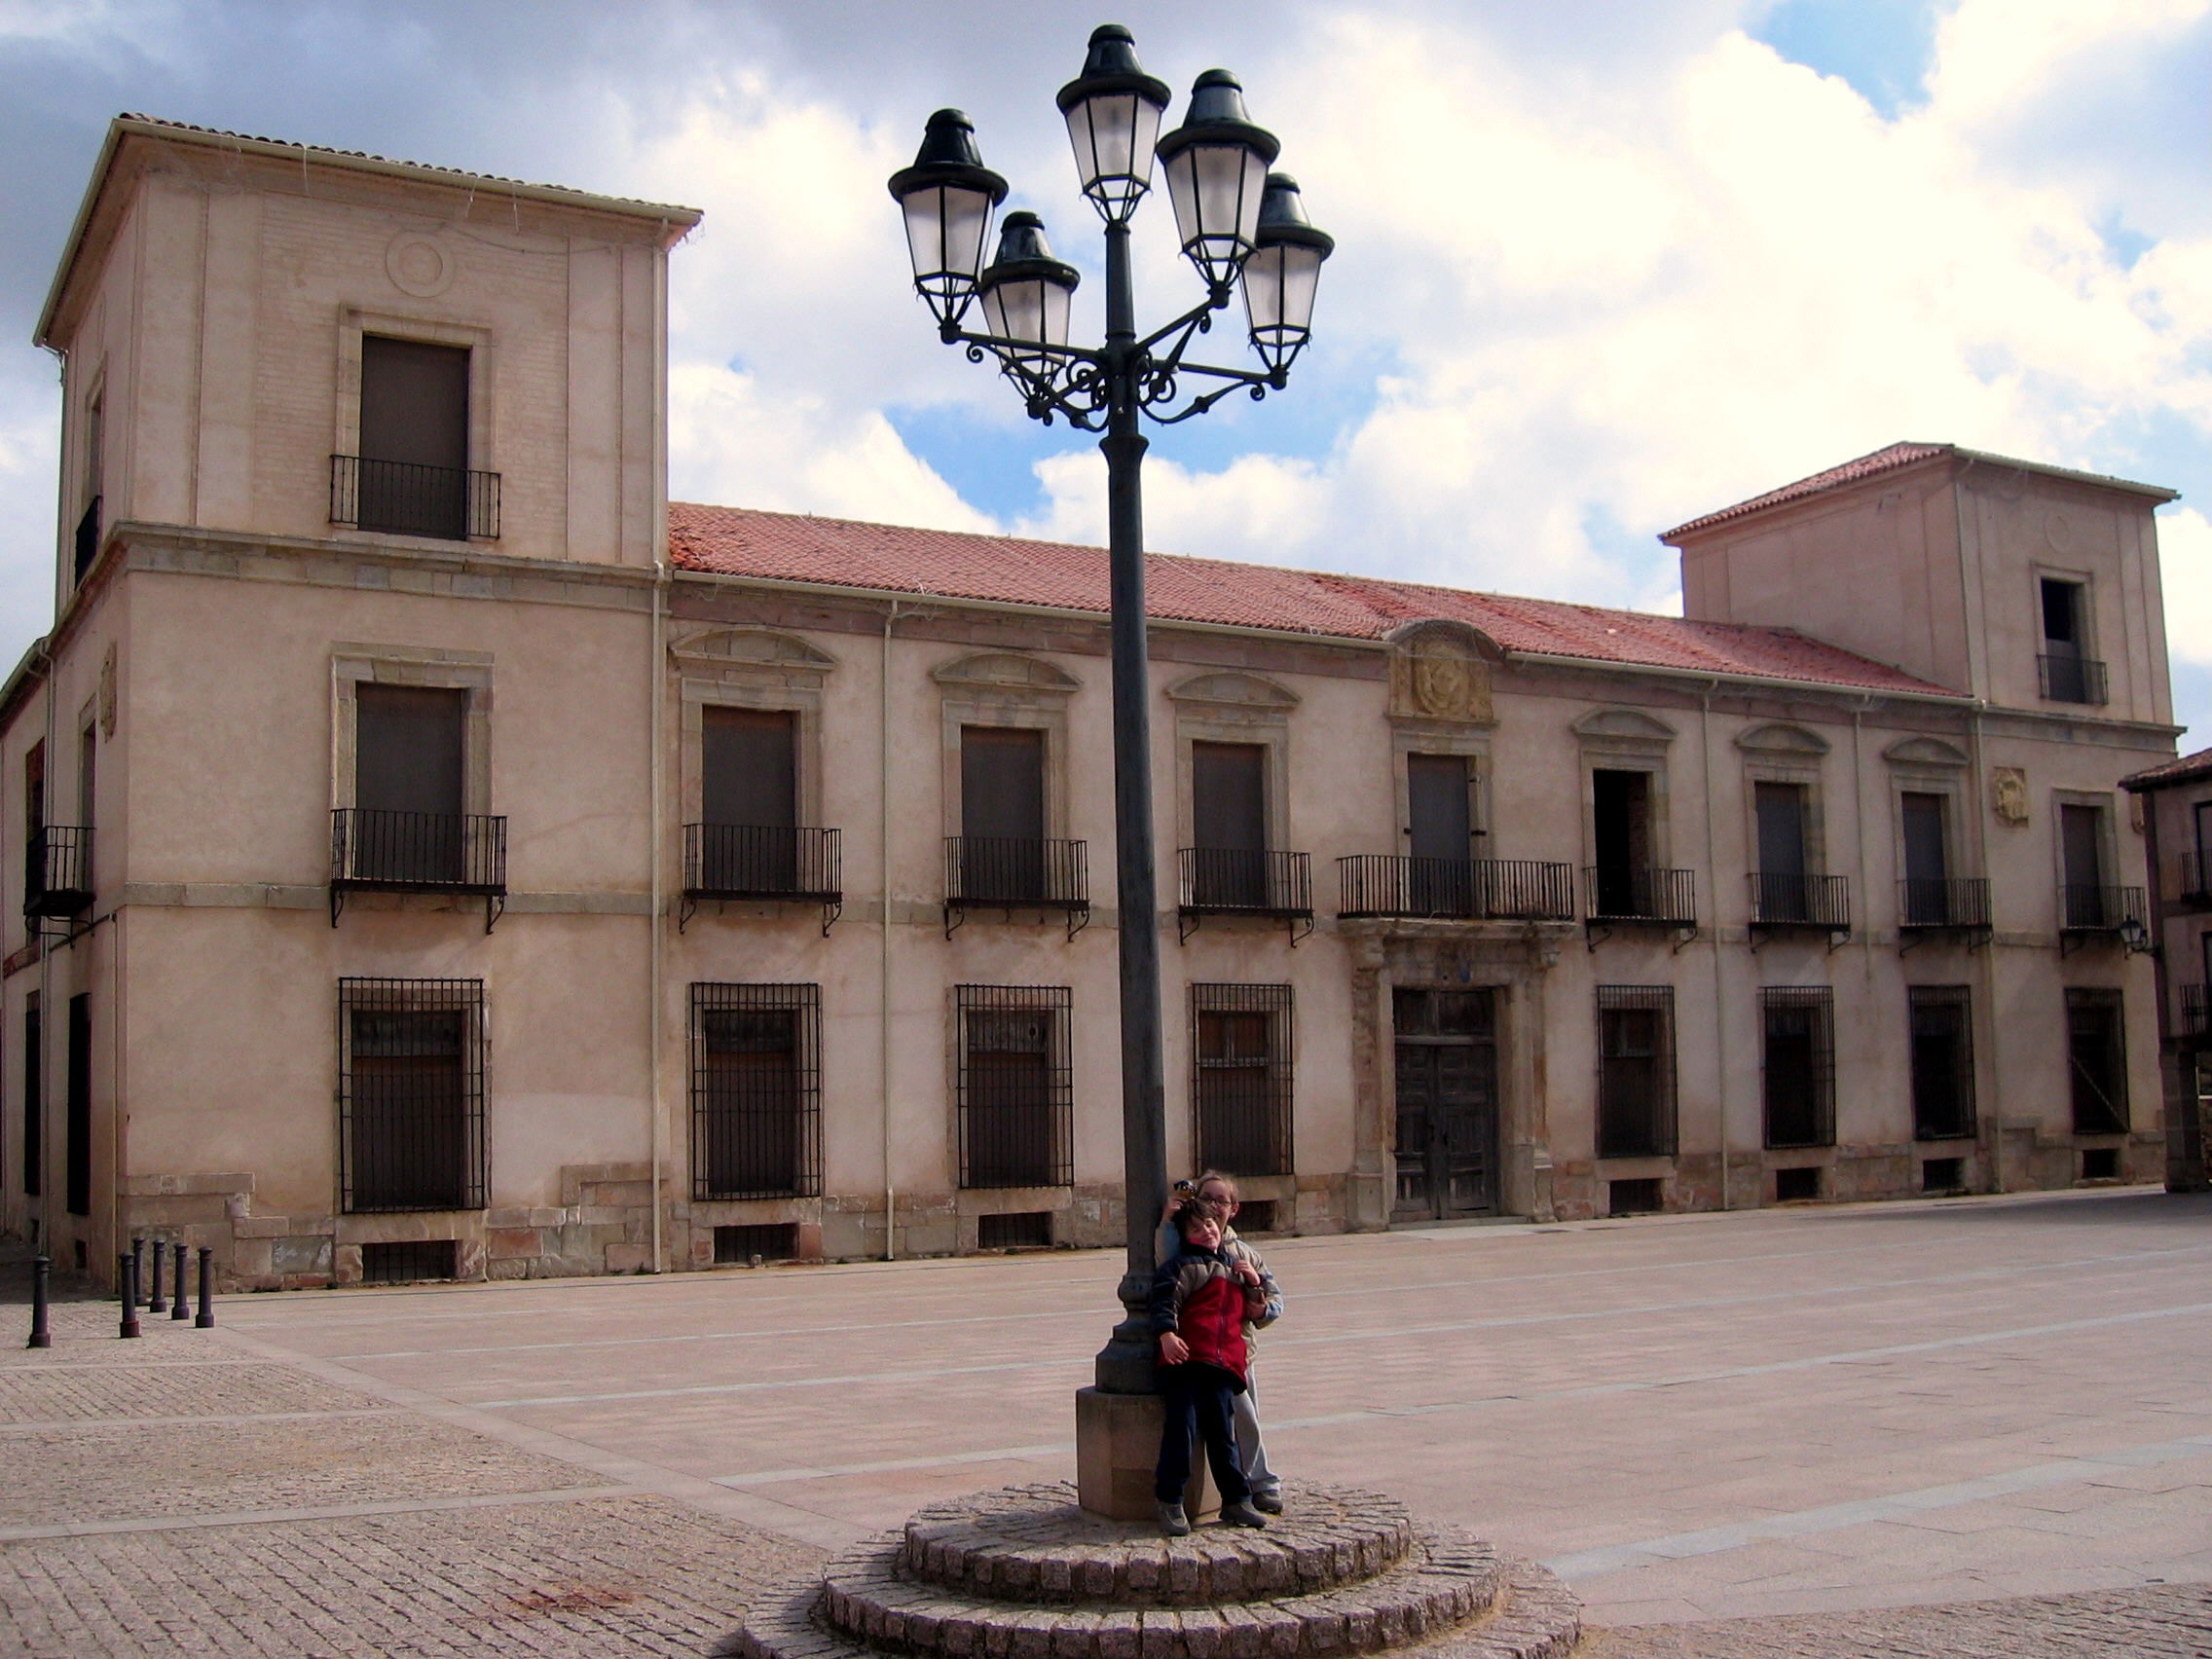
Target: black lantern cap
(1217,116)
(1023,252)
(1111,66)
(1282,218)
(948,157)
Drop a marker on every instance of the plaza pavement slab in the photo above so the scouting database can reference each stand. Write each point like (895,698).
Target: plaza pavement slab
(1806,1422)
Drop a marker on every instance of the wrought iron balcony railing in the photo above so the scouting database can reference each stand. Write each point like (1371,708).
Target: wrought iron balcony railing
(405,499)
(1386,884)
(87,539)
(1637,894)
(374,850)
(2193,878)
(57,871)
(1240,881)
(760,861)
(1015,873)
(2071,679)
(2086,909)
(1815,902)
(2193,1023)
(1957,904)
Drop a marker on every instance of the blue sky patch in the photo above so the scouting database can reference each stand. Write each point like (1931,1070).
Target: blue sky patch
(1882,48)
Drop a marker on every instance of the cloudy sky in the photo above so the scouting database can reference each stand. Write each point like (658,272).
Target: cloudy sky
(1602,266)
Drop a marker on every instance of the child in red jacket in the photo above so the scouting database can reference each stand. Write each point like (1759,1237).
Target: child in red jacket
(1200,1301)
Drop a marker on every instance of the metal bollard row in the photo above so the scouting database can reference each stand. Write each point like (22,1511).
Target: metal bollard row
(129,1266)
(42,1334)
(126,1266)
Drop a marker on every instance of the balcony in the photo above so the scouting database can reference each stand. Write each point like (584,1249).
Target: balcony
(771,863)
(376,851)
(88,540)
(57,871)
(2192,880)
(1002,872)
(1928,906)
(1635,896)
(2194,1026)
(1237,881)
(2097,915)
(1800,903)
(403,498)
(2071,679)
(1458,890)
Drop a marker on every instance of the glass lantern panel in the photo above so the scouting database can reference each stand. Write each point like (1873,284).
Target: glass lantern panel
(946,226)
(1216,190)
(1015,309)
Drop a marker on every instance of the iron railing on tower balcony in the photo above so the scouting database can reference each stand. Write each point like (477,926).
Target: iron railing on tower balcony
(1936,904)
(1819,903)
(402,498)
(57,871)
(1637,894)
(1009,872)
(2193,880)
(1520,890)
(2071,679)
(374,850)
(1240,881)
(2089,912)
(87,539)
(770,862)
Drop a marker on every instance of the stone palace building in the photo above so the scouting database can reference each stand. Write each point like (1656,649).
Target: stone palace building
(431,852)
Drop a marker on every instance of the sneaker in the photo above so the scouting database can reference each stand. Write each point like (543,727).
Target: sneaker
(1267,1502)
(1173,1521)
(1241,1515)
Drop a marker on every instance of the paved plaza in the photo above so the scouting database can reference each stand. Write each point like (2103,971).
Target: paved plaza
(1927,1429)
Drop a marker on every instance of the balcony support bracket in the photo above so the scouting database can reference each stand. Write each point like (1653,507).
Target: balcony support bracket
(494,907)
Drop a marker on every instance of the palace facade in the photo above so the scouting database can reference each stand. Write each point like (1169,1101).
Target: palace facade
(429,851)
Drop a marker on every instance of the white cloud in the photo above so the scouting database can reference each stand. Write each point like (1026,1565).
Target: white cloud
(2185,560)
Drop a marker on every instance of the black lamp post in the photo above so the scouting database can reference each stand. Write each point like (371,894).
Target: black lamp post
(1236,221)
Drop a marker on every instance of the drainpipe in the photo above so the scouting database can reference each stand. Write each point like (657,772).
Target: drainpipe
(883,960)
(656,920)
(46,998)
(1719,985)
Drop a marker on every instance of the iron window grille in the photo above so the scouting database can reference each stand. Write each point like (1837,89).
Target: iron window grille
(1014,1089)
(2096,1061)
(1942,1062)
(57,871)
(1636,1071)
(756,1092)
(373,850)
(2193,878)
(2194,1021)
(1388,884)
(1797,1054)
(411,1064)
(404,498)
(1015,873)
(2065,679)
(1242,1042)
(761,861)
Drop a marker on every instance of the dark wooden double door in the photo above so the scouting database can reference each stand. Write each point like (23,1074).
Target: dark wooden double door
(1447,1091)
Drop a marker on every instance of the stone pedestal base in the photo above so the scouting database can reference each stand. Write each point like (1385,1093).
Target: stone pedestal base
(1117,1448)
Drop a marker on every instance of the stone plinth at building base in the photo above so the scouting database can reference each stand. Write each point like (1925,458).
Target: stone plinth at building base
(1117,1448)
(1026,1573)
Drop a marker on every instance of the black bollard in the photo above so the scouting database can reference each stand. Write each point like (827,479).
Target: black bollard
(207,1317)
(137,1250)
(128,1271)
(177,1308)
(155,1304)
(41,1336)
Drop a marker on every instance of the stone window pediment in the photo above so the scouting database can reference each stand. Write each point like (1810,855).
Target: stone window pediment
(1247,693)
(1004,671)
(752,654)
(1780,740)
(1623,731)
(1924,752)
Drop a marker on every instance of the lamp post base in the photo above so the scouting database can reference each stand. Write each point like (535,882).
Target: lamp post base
(1116,1450)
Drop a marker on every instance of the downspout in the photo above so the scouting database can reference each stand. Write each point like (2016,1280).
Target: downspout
(657,917)
(883,960)
(1719,985)
(45,1000)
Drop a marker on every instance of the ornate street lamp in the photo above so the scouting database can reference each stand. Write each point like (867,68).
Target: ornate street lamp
(1235,220)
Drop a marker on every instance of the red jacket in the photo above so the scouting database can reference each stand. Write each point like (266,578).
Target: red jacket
(1198,1296)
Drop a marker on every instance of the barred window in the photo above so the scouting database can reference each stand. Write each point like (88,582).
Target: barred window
(1015,1090)
(2096,1061)
(1240,1077)
(1636,1071)
(756,1092)
(1942,1062)
(411,1094)
(1798,1055)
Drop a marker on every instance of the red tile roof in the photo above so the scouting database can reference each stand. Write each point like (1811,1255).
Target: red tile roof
(1893,458)
(790,547)
(2167,774)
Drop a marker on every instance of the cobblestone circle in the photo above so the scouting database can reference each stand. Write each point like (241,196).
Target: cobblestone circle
(1034,1543)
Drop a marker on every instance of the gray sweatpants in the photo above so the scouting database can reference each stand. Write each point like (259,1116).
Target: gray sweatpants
(1250,1453)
